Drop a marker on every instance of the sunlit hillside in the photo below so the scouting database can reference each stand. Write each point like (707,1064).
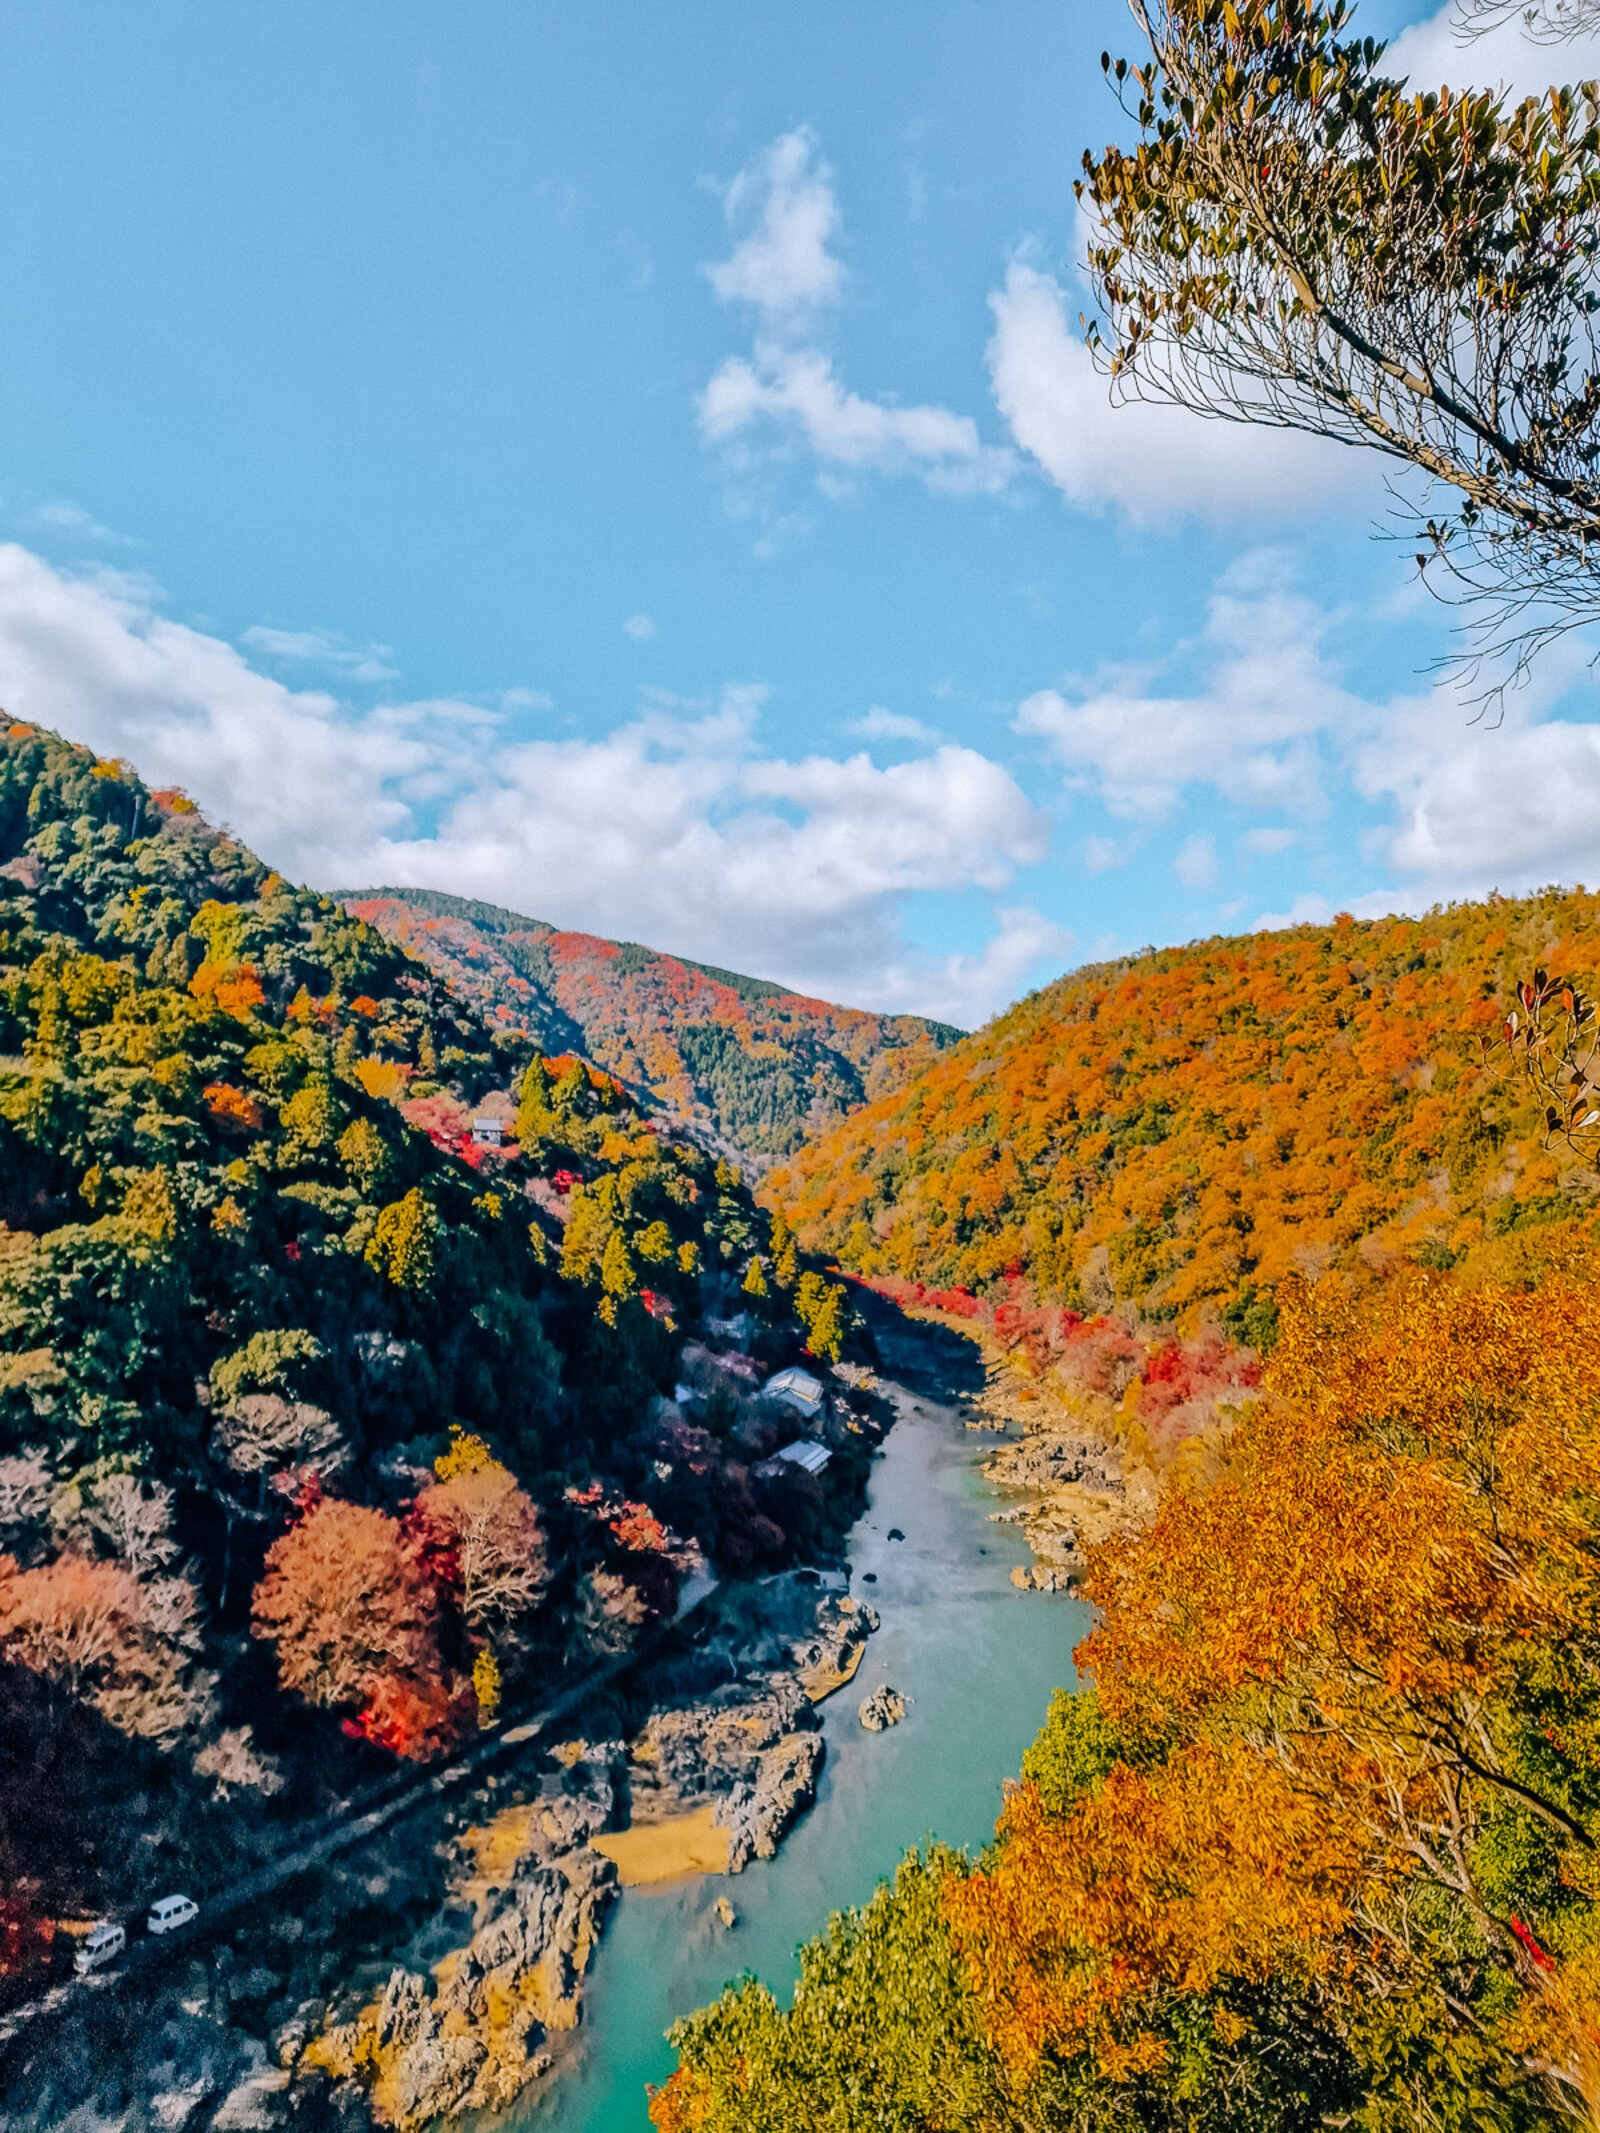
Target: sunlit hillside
(1177,1132)
(759,1066)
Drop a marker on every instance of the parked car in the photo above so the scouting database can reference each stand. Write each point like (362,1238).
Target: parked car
(170,1912)
(102,1944)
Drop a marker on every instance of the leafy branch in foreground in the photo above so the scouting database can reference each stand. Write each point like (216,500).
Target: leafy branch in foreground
(1553,1034)
(1300,241)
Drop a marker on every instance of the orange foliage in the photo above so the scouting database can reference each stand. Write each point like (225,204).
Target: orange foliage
(1329,1664)
(233,1107)
(231,988)
(1182,1132)
(346,1604)
(1213,1866)
(382,1078)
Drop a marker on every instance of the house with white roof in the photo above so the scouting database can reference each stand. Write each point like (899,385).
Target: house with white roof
(799,1391)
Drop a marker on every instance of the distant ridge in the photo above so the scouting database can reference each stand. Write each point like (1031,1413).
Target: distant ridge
(1176,1133)
(759,1067)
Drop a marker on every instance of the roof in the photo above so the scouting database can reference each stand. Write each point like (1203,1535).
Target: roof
(798,1387)
(811,1457)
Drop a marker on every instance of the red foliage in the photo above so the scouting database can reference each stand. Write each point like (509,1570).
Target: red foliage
(25,1934)
(437,1553)
(416,1720)
(636,1526)
(1541,1957)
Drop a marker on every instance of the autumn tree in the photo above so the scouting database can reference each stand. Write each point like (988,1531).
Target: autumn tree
(27,1489)
(405,1242)
(820,1306)
(490,1527)
(611,1611)
(128,1518)
(344,1603)
(1299,240)
(262,1437)
(100,1637)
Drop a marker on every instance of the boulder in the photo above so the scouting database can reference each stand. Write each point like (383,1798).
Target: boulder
(252,2105)
(884,1707)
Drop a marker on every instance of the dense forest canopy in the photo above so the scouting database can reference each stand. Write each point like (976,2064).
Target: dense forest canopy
(1317,1846)
(309,1394)
(1176,1133)
(759,1067)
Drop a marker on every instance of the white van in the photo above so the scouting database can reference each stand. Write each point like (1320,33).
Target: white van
(101,1945)
(171,1912)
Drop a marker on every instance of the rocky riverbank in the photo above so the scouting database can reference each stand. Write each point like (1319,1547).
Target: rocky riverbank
(1071,1487)
(440,1971)
(724,1760)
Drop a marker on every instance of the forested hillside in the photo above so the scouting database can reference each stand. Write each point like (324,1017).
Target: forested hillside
(1317,1846)
(1314,1843)
(1176,1133)
(760,1067)
(323,1426)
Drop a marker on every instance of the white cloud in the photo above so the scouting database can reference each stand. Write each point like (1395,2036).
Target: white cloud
(1250,731)
(1101,854)
(1025,949)
(1268,841)
(878,723)
(641,628)
(786,389)
(783,203)
(1511,806)
(1152,462)
(797,389)
(321,648)
(677,827)
(65,517)
(1453,805)
(1430,54)
(1196,862)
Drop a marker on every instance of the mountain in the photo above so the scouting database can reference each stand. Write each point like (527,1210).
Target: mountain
(1311,1842)
(756,1066)
(326,1416)
(1177,1132)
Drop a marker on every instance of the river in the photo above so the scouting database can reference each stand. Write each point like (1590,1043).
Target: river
(978,1660)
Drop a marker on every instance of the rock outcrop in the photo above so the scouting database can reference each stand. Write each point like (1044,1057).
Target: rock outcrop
(884,1707)
(757,1813)
(472,2036)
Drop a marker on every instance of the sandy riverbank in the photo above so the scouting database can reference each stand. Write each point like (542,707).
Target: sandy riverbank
(651,1853)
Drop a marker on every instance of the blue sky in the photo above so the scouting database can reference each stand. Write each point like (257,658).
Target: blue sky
(636,464)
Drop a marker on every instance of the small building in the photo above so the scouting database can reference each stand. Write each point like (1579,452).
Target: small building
(797,1390)
(735,1331)
(489,1130)
(808,1457)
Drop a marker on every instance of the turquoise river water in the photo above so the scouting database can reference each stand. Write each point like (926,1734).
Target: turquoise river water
(978,1660)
